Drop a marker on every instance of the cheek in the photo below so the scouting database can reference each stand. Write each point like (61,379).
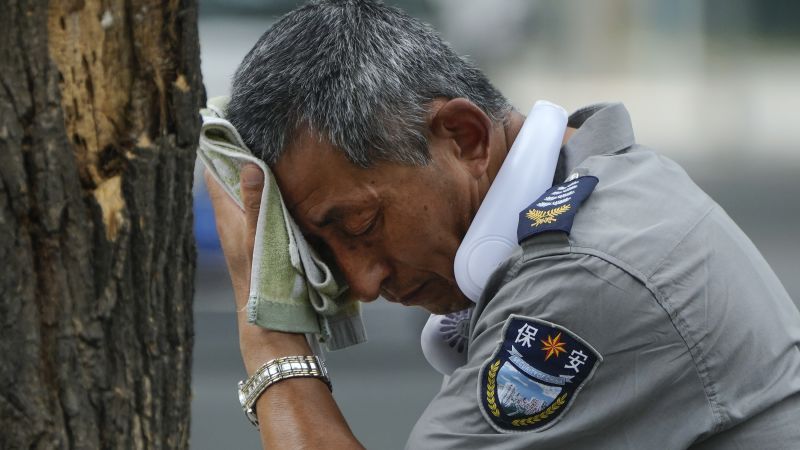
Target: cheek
(423,234)
(425,219)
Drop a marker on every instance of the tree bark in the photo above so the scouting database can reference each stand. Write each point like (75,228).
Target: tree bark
(98,128)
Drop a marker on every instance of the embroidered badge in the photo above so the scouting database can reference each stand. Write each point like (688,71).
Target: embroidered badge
(535,375)
(454,329)
(555,210)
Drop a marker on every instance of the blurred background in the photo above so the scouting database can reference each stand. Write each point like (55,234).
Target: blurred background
(713,84)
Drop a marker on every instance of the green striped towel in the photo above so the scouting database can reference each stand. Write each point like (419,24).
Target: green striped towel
(291,288)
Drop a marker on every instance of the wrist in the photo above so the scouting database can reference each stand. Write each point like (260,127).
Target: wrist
(276,370)
(241,290)
(259,345)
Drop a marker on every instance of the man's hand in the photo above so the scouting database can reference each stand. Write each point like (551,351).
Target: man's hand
(294,413)
(237,228)
(237,234)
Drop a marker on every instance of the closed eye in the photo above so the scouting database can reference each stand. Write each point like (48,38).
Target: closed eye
(364,229)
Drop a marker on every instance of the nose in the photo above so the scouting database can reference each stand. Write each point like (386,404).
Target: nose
(365,271)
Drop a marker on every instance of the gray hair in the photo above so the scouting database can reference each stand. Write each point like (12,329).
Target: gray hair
(357,73)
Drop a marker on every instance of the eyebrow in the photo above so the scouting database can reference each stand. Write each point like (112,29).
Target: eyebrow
(337,213)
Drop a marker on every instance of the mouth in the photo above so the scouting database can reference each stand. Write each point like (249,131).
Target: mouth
(409,298)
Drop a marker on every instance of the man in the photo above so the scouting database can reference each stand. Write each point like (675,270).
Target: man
(635,315)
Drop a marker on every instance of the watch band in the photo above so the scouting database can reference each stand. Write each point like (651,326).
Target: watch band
(277,370)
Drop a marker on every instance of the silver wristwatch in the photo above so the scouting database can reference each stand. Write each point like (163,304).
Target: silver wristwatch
(276,370)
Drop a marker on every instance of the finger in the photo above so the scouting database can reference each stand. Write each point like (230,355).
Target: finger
(252,186)
(223,204)
(211,183)
(230,223)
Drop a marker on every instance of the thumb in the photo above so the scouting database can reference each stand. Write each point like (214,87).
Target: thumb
(252,185)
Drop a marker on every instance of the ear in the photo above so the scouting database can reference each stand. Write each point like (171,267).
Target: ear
(468,129)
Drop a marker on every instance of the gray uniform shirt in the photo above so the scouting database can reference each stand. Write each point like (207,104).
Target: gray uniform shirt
(698,340)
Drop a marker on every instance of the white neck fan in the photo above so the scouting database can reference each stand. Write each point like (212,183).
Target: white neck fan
(526,173)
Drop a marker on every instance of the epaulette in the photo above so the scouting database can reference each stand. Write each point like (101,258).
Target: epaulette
(555,210)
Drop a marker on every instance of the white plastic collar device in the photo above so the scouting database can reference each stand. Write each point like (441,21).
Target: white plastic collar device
(526,173)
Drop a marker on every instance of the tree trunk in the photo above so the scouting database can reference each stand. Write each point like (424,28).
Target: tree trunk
(98,128)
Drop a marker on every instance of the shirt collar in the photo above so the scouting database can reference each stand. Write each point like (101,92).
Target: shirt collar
(602,129)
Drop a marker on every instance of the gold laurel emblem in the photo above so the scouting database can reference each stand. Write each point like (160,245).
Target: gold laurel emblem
(540,217)
(542,415)
(490,385)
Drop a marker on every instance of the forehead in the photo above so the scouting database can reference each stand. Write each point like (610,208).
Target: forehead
(312,174)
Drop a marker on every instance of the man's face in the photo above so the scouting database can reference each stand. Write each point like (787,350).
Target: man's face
(393,230)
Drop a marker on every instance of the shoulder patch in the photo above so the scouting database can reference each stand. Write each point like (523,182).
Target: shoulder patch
(534,376)
(555,210)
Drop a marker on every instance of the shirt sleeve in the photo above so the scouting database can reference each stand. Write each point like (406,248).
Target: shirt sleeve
(644,392)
